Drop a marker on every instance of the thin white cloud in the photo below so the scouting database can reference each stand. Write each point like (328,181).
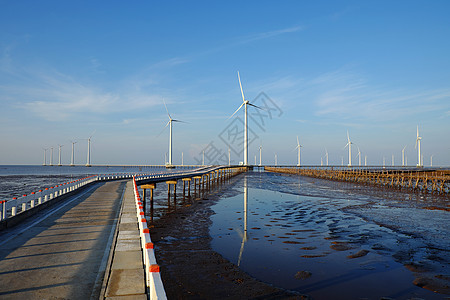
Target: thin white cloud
(54,96)
(268,34)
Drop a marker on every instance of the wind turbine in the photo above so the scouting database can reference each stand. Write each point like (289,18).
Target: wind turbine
(326,155)
(275,159)
(365,160)
(349,144)
(229,156)
(51,156)
(245,103)
(45,156)
(72,160)
(431,160)
(298,147)
(260,151)
(88,160)
(169,123)
(59,160)
(392,159)
(403,156)
(419,164)
(359,156)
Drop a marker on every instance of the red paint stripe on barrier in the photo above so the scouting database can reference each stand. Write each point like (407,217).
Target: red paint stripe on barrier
(143,220)
(146,230)
(154,269)
(149,246)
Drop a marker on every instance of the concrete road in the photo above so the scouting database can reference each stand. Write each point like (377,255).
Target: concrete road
(61,252)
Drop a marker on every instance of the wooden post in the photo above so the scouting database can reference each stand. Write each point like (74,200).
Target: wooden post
(145,187)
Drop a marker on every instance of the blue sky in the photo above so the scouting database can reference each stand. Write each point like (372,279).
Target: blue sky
(375,68)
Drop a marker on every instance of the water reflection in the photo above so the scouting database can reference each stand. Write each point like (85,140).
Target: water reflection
(310,235)
(244,236)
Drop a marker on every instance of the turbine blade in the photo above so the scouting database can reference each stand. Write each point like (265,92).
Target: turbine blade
(348,137)
(236,111)
(179,121)
(163,129)
(242,91)
(298,143)
(256,106)
(417,131)
(166,109)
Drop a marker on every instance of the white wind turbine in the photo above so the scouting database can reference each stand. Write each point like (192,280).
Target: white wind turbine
(169,123)
(59,158)
(359,156)
(245,103)
(403,156)
(326,155)
(349,145)
(260,151)
(72,159)
(419,159)
(88,160)
(298,147)
(51,156)
(45,156)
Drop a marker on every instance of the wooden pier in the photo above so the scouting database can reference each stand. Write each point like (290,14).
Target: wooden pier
(431,181)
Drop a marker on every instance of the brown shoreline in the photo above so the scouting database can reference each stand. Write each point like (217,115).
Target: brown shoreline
(190,269)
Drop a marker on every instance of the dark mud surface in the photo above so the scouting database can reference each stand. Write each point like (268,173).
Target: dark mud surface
(190,269)
(306,237)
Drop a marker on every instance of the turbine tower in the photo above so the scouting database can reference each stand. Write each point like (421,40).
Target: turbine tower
(45,156)
(72,160)
(359,156)
(349,145)
(169,123)
(51,156)
(326,155)
(298,147)
(88,161)
(59,160)
(419,159)
(403,156)
(260,151)
(245,103)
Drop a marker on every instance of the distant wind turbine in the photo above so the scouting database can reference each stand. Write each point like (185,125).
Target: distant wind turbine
(365,160)
(403,156)
(245,103)
(51,156)
(326,155)
(419,159)
(275,159)
(88,160)
(349,145)
(59,160)
(359,156)
(298,147)
(169,123)
(260,151)
(229,156)
(392,159)
(72,160)
(45,156)
(431,160)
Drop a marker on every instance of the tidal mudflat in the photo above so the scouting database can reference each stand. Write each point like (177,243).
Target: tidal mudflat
(335,240)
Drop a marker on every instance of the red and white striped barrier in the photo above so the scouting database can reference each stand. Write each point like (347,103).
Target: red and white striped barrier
(152,272)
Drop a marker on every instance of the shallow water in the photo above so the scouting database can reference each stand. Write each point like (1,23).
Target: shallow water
(333,240)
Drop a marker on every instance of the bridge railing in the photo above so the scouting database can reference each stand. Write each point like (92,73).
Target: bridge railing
(153,280)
